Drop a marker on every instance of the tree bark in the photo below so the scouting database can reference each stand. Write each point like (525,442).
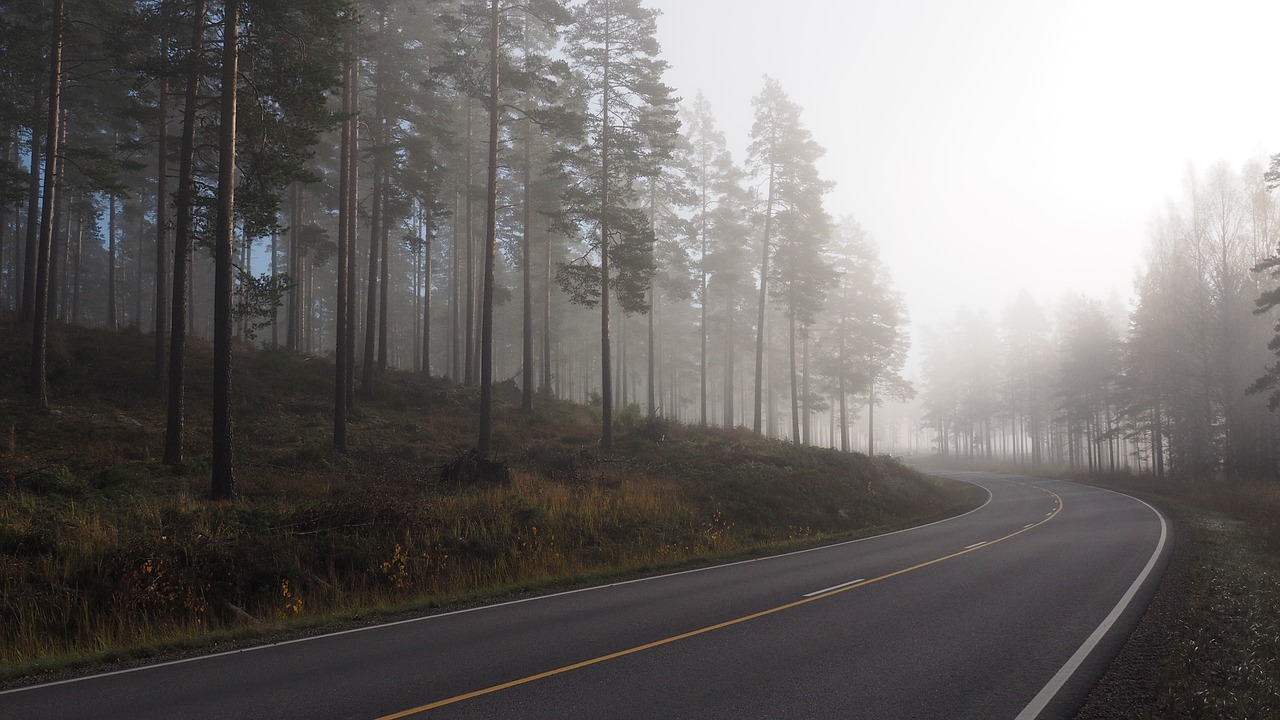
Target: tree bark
(426,293)
(468,372)
(56,304)
(485,443)
(871,417)
(162,213)
(343,311)
(526,271)
(606,372)
(376,221)
(38,380)
(764,296)
(32,252)
(182,245)
(795,390)
(455,288)
(223,485)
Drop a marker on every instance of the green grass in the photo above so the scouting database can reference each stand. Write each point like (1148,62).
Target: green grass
(106,553)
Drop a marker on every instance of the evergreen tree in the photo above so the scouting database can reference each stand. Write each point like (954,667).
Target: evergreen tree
(630,128)
(782,154)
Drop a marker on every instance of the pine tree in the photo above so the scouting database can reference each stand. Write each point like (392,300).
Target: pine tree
(782,153)
(630,128)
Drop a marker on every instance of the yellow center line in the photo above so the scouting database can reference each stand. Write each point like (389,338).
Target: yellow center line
(711,628)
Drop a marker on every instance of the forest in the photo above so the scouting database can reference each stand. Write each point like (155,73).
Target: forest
(507,193)
(491,192)
(1183,383)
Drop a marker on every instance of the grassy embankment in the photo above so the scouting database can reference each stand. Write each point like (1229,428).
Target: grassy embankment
(1221,641)
(106,553)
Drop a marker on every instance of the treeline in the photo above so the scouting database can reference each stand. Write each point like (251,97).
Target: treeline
(485,190)
(1181,384)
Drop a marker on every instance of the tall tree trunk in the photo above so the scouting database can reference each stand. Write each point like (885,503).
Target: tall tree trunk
(764,296)
(468,372)
(343,310)
(182,244)
(455,288)
(653,353)
(844,395)
(795,389)
(384,285)
(293,336)
(223,485)
(485,443)
(39,383)
(606,371)
(375,229)
(162,214)
(275,309)
(353,202)
(138,273)
(702,295)
(729,420)
(805,420)
(526,271)
(112,320)
(75,284)
(57,242)
(547,286)
(376,221)
(871,417)
(32,252)
(426,292)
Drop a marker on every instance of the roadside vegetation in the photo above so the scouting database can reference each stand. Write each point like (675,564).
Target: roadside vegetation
(107,553)
(1221,641)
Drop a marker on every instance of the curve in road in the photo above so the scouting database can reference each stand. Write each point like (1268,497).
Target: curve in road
(1011,610)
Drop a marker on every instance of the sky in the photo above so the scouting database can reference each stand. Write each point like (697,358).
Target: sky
(994,145)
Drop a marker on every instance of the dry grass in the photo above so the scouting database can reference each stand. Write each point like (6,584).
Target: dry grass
(1224,657)
(105,552)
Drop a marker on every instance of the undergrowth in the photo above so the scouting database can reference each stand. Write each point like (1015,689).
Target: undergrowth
(105,552)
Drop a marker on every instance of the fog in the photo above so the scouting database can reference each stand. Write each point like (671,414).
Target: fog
(994,145)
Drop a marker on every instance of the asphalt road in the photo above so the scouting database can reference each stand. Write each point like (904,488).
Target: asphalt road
(1010,611)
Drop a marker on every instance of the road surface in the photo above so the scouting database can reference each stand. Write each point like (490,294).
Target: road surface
(1010,611)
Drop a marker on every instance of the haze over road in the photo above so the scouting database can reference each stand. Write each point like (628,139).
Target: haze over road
(986,615)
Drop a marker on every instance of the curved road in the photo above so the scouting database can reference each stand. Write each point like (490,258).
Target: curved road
(1010,611)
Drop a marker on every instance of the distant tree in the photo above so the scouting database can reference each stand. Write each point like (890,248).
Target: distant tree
(868,327)
(710,167)
(630,121)
(783,154)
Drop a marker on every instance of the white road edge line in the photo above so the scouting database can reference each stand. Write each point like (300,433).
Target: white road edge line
(422,618)
(978,544)
(834,587)
(1056,683)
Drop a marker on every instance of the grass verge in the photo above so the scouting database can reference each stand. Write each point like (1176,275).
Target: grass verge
(1209,645)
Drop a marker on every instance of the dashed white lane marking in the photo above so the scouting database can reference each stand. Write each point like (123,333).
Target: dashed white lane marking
(834,587)
(1024,527)
(979,544)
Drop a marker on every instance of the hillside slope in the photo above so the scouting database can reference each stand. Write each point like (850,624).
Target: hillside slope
(107,552)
